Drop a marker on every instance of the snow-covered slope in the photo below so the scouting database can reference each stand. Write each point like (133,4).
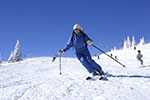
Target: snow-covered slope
(39,79)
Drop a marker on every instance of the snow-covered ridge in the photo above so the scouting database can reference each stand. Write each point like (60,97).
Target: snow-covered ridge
(39,79)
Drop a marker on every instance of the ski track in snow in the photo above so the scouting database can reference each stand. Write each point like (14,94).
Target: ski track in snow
(39,79)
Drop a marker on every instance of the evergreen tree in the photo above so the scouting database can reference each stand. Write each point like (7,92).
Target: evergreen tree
(125,44)
(133,42)
(115,48)
(128,42)
(15,55)
(142,41)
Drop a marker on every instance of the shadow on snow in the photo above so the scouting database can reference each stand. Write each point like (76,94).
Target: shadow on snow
(128,76)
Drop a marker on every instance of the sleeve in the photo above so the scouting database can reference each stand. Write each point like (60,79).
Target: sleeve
(69,45)
(87,38)
(137,56)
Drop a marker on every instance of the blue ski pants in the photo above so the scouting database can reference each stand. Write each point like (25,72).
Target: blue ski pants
(85,58)
(141,61)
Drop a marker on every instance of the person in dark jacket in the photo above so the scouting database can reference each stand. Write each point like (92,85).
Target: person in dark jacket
(79,40)
(139,57)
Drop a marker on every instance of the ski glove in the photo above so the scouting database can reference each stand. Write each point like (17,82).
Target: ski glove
(89,42)
(60,52)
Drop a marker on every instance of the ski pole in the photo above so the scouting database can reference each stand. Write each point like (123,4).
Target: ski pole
(60,64)
(108,55)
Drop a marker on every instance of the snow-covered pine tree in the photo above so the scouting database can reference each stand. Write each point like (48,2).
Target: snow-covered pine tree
(15,55)
(115,48)
(142,41)
(128,42)
(125,44)
(133,42)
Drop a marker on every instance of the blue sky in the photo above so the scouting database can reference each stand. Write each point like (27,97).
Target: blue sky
(44,26)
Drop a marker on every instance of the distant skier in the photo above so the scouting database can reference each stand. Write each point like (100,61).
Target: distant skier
(139,57)
(111,55)
(79,40)
(134,47)
(97,56)
(116,57)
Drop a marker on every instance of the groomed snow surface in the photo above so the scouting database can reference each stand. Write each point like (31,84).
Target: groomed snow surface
(39,79)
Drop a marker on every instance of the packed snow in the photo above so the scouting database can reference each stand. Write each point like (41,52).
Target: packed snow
(39,78)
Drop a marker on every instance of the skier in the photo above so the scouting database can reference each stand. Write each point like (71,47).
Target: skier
(79,40)
(111,55)
(139,57)
(134,47)
(116,58)
(97,56)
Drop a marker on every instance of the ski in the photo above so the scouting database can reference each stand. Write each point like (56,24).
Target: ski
(89,78)
(104,78)
(143,66)
(98,77)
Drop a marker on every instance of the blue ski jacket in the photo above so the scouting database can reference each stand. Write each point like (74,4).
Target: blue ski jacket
(79,42)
